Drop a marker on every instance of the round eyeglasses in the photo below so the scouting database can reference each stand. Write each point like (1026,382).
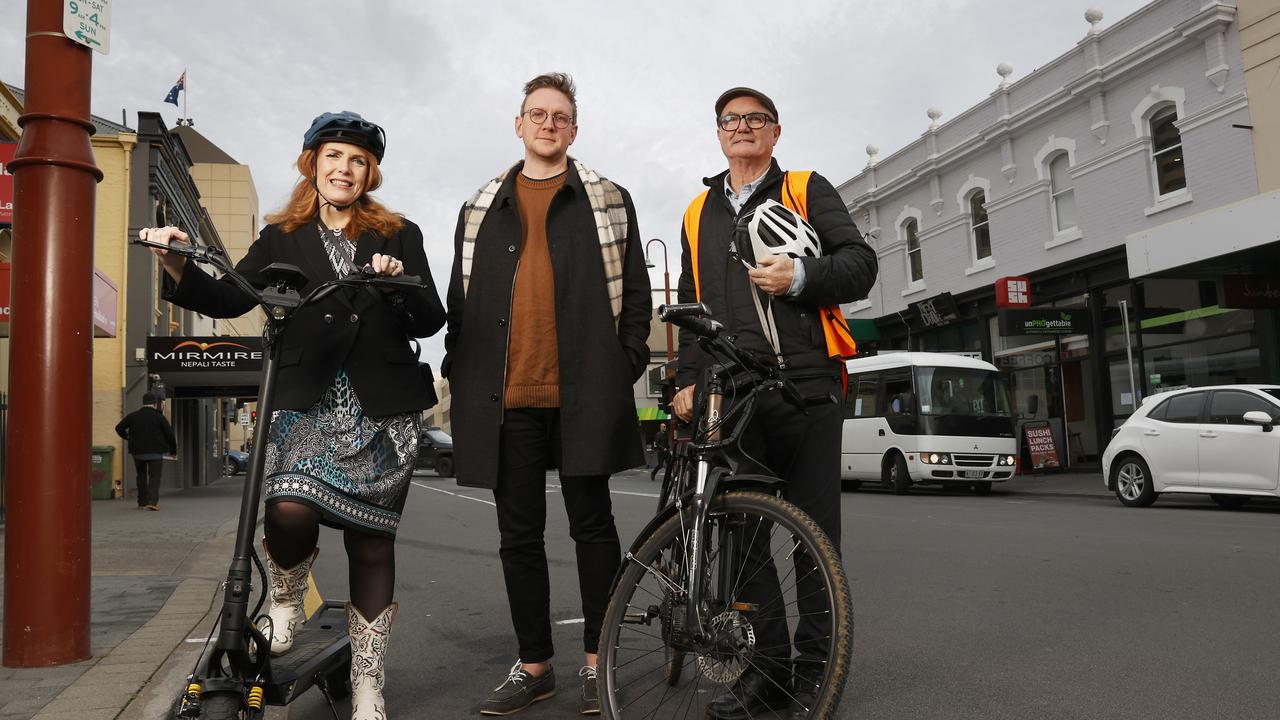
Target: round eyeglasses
(755,121)
(538,116)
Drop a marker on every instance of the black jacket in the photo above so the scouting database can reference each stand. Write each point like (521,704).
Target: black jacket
(148,432)
(353,329)
(598,362)
(845,273)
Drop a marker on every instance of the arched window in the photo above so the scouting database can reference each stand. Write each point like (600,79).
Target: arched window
(1166,151)
(915,262)
(1062,193)
(979,227)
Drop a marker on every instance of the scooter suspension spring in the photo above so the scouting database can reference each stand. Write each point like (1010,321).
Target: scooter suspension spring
(190,707)
(254,701)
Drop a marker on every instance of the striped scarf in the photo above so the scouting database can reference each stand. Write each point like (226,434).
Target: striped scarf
(606,206)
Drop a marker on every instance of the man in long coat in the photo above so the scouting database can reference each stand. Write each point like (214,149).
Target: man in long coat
(548,321)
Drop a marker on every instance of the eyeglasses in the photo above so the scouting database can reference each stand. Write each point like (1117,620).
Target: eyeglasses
(755,121)
(539,116)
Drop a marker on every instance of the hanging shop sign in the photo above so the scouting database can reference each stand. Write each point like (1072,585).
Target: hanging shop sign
(1013,292)
(1040,444)
(936,311)
(201,354)
(1043,321)
(7,150)
(1251,291)
(105,295)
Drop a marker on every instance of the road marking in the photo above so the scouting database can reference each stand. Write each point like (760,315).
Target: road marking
(618,492)
(573,621)
(457,495)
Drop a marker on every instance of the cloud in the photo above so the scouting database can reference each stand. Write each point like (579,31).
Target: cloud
(444,79)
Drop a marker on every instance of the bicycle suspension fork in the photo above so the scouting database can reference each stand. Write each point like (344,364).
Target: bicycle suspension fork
(705,482)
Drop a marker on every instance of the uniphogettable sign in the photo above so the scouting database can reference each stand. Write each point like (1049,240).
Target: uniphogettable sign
(1043,321)
(198,354)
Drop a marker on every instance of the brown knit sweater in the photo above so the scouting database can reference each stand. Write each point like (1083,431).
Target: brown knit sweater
(533,362)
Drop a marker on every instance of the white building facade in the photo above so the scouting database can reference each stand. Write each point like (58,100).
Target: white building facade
(1142,126)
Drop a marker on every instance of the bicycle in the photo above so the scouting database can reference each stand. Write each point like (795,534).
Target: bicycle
(682,622)
(239,677)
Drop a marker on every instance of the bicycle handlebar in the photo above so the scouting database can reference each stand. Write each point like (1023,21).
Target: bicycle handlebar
(214,256)
(695,317)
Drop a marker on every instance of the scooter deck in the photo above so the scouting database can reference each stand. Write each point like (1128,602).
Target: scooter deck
(320,649)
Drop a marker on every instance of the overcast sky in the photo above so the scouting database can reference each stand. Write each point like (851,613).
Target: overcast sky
(444,79)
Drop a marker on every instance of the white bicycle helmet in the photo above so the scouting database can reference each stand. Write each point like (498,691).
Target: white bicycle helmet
(775,230)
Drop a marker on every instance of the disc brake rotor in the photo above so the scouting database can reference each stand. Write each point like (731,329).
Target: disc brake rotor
(735,641)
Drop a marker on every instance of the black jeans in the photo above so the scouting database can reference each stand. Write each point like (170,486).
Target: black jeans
(149,474)
(804,450)
(530,445)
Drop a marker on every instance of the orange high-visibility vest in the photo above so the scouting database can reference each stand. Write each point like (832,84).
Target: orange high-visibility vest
(795,189)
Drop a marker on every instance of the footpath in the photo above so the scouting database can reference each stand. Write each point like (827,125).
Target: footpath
(156,578)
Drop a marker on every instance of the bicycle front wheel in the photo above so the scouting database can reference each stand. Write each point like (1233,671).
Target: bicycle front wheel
(775,603)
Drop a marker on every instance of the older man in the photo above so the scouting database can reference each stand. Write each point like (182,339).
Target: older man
(785,309)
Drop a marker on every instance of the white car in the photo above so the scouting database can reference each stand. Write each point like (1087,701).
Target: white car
(1218,440)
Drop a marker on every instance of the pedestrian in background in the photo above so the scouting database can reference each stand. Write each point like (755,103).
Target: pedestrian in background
(780,296)
(548,321)
(150,438)
(661,451)
(343,440)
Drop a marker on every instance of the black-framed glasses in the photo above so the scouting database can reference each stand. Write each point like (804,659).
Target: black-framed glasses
(538,116)
(755,121)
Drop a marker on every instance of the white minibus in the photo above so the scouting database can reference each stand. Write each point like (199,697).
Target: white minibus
(922,417)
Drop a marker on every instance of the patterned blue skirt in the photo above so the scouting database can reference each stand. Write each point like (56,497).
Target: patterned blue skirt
(352,469)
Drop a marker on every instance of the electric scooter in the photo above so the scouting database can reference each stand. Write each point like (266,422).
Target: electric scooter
(237,678)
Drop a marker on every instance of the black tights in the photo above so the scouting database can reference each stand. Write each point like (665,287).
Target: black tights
(292,530)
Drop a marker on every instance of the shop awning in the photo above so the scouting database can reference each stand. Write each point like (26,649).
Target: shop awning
(651,413)
(1202,238)
(864,330)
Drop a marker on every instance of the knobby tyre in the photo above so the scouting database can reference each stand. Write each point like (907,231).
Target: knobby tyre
(643,625)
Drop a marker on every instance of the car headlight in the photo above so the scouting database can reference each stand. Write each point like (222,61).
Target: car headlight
(1008,460)
(935,458)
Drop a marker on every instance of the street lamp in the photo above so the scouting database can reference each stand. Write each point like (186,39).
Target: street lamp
(666,284)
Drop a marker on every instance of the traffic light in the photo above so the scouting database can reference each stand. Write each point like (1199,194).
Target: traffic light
(253,416)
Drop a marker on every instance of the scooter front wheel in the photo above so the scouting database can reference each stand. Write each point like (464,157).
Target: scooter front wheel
(221,706)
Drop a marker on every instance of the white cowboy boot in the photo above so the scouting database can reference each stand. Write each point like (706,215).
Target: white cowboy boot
(368,648)
(288,589)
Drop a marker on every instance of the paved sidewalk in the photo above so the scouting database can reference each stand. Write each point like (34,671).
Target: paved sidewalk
(155,579)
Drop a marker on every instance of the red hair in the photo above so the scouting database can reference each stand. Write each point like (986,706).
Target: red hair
(304,202)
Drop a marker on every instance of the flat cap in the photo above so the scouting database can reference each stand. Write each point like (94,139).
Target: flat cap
(737,92)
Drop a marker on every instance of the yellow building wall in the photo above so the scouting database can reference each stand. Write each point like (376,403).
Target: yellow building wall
(228,193)
(113,155)
(1260,44)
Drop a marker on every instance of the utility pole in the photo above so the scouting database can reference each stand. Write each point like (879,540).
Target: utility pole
(47,538)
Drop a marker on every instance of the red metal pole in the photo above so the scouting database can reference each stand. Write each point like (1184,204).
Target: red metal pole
(47,541)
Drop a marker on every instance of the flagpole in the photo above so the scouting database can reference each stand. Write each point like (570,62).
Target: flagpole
(185,83)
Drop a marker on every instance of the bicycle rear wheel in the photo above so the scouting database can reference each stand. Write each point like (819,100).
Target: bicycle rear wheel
(769,572)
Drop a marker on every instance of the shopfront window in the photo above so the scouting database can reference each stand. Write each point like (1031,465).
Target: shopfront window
(1230,360)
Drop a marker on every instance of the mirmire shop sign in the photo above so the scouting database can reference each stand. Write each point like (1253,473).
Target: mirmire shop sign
(195,354)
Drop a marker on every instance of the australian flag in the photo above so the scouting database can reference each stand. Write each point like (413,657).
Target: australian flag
(178,87)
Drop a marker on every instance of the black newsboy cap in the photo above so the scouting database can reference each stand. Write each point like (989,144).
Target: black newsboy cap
(732,93)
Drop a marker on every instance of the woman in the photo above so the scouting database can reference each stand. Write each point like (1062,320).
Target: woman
(344,438)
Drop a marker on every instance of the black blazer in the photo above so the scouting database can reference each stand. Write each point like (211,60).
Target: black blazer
(364,333)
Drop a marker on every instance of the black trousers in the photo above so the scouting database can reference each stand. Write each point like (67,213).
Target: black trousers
(530,445)
(149,472)
(804,450)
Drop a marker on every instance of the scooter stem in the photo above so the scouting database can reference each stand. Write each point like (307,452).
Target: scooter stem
(235,604)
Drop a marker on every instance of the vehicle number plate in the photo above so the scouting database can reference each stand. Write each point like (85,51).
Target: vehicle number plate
(974,474)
